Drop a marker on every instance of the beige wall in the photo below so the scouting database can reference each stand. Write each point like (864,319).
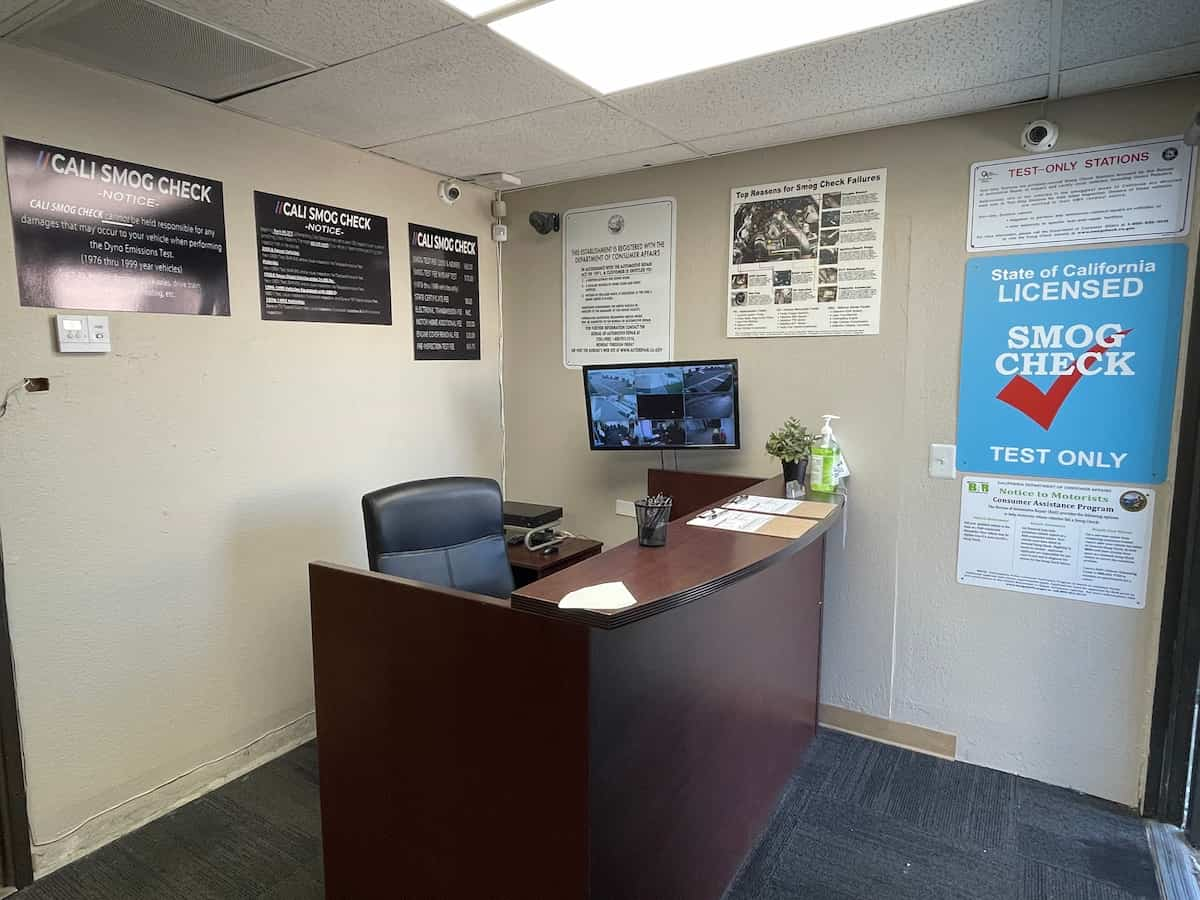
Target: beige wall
(160,504)
(1054,689)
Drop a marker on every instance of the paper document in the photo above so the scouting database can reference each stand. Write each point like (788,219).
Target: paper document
(610,595)
(753,523)
(779,506)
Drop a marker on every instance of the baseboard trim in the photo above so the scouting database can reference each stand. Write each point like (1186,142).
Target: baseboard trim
(888,731)
(135,813)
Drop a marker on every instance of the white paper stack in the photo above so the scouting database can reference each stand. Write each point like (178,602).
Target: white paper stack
(610,595)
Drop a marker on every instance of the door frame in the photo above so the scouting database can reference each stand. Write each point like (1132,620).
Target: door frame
(1175,692)
(16,848)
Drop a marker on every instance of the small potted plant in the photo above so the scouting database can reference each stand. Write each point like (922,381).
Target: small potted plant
(790,445)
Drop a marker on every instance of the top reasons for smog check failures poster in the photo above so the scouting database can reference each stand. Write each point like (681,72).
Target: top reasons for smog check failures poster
(92,232)
(807,256)
(1069,363)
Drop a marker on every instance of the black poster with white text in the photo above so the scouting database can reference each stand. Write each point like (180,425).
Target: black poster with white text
(92,232)
(319,263)
(445,293)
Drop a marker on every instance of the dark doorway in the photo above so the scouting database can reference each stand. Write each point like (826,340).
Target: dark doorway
(1172,760)
(16,852)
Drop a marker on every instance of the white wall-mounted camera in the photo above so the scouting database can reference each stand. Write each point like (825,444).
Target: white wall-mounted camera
(1039,135)
(449,191)
(1191,134)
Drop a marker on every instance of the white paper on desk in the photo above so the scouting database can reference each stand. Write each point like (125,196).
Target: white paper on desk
(731,520)
(750,503)
(610,595)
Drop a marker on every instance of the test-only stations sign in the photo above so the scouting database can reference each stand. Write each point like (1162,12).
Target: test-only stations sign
(1069,361)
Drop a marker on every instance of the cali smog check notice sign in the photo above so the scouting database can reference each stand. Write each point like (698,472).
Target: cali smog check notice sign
(1069,363)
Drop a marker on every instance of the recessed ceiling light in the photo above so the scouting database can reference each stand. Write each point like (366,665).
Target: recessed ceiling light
(611,45)
(477,8)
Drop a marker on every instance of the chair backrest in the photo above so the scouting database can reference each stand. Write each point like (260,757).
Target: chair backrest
(445,531)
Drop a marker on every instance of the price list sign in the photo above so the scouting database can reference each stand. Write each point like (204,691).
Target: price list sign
(445,293)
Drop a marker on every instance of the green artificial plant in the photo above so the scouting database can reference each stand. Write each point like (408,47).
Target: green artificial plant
(791,442)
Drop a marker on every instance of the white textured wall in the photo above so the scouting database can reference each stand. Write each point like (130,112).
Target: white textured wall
(1054,689)
(160,504)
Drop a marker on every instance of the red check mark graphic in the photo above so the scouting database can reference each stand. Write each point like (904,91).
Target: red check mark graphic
(1024,396)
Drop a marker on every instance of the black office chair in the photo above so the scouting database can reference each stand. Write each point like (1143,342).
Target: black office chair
(445,531)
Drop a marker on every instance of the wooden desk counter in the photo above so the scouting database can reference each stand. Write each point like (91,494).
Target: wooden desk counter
(694,562)
(473,747)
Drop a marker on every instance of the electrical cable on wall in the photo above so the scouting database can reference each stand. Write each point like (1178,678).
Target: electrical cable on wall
(500,361)
(8,395)
(149,791)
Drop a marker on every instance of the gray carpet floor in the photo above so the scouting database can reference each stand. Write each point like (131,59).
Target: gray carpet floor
(866,821)
(859,821)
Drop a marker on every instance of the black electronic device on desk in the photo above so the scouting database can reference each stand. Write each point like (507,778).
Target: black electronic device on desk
(534,525)
(537,547)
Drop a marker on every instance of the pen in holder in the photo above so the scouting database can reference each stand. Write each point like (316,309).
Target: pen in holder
(653,514)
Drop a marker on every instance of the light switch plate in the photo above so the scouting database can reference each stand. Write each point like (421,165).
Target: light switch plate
(82,334)
(943,461)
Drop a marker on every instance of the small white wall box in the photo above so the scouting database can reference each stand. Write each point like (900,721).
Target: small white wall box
(83,334)
(942,462)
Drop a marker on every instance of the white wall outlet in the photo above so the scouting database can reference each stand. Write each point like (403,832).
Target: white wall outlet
(499,232)
(83,334)
(625,508)
(943,461)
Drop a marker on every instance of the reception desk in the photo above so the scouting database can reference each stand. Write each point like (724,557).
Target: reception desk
(473,747)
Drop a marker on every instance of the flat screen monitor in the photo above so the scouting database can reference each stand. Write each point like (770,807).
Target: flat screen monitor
(663,406)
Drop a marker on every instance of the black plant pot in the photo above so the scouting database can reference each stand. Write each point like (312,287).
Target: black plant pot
(795,470)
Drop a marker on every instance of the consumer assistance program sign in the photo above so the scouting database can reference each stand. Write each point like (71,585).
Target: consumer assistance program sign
(1068,363)
(619,283)
(1121,192)
(92,232)
(1082,542)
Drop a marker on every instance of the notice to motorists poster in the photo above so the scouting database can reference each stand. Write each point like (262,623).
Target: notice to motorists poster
(1079,541)
(319,263)
(91,232)
(444,268)
(1121,192)
(619,283)
(1069,363)
(806,256)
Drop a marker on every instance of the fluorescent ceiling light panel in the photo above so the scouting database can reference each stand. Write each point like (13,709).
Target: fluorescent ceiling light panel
(477,8)
(611,45)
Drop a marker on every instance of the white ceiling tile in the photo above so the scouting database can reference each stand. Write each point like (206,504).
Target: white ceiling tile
(530,141)
(608,165)
(1105,76)
(329,31)
(903,113)
(11,7)
(975,46)
(461,76)
(15,13)
(1098,30)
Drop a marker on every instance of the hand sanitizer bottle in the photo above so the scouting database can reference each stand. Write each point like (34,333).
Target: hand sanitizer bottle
(825,460)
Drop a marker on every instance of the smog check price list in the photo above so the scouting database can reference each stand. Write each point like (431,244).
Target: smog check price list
(445,293)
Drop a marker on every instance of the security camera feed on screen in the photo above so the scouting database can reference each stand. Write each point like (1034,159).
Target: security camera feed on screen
(666,406)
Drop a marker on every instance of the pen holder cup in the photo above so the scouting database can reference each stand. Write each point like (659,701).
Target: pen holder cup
(652,522)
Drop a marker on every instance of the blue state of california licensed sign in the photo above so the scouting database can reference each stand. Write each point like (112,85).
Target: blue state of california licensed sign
(1069,363)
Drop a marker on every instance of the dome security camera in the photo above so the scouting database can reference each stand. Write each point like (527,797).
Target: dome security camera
(544,222)
(1039,135)
(449,191)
